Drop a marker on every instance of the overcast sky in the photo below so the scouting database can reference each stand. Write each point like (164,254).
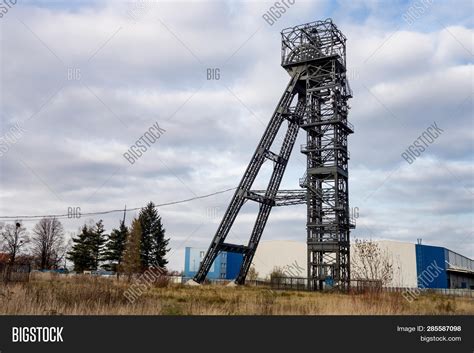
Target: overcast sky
(86,79)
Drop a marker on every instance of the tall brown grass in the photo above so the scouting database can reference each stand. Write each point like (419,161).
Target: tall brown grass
(85,295)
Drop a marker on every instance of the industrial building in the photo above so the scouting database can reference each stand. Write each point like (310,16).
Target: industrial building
(459,269)
(414,265)
(225,266)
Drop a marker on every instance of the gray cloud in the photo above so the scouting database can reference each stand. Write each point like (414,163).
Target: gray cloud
(154,70)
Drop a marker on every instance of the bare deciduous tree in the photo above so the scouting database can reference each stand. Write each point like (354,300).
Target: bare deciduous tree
(252,275)
(48,242)
(277,273)
(13,238)
(369,262)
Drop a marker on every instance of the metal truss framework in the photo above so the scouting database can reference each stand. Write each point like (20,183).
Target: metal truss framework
(315,100)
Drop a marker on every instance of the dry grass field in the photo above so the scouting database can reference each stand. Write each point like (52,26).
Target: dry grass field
(83,295)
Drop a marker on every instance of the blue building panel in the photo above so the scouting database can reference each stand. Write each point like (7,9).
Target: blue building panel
(234,261)
(431,266)
(225,266)
(192,260)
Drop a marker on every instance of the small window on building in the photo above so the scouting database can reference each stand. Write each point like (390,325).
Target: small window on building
(201,254)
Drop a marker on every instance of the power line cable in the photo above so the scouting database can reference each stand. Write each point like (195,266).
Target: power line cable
(63,216)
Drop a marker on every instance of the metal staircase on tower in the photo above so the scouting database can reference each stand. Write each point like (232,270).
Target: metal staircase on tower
(315,100)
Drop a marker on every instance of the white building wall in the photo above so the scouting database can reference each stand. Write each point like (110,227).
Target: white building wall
(291,257)
(403,257)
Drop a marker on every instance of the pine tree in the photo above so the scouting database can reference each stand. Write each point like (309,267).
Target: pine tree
(160,244)
(80,253)
(97,243)
(153,246)
(131,256)
(115,247)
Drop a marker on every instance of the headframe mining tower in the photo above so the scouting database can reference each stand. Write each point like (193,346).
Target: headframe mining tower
(315,100)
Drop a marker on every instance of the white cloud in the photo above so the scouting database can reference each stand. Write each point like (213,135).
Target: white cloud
(147,71)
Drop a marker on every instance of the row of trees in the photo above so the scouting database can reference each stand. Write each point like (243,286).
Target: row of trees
(46,246)
(127,249)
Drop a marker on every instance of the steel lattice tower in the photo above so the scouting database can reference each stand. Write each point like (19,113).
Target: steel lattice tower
(315,100)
